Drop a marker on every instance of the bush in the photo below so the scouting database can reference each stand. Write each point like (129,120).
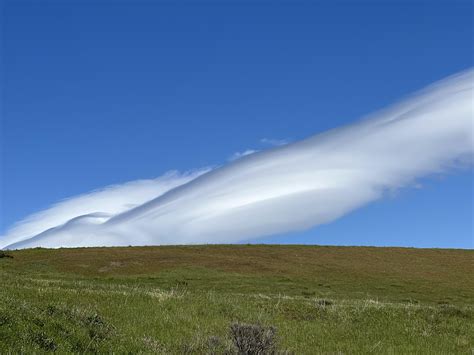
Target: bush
(252,339)
(4,255)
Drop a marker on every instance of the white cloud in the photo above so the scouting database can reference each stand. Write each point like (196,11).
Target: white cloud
(291,187)
(239,155)
(97,206)
(274,142)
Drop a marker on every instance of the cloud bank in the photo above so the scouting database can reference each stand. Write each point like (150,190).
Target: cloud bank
(287,188)
(98,206)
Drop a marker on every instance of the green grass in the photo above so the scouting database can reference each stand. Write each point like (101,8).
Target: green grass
(184,299)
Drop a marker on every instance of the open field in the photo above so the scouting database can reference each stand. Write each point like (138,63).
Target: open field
(185,299)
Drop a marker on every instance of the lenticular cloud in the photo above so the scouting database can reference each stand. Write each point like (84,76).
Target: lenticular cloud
(291,187)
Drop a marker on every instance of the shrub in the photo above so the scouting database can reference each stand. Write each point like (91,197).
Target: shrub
(4,255)
(252,339)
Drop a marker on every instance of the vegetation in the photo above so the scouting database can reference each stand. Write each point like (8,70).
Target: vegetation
(237,300)
(4,255)
(253,339)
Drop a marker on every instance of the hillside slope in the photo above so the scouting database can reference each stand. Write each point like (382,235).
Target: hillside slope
(184,298)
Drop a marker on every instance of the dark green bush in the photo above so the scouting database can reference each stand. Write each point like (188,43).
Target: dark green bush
(4,255)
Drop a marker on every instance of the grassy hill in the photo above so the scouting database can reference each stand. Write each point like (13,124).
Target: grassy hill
(212,299)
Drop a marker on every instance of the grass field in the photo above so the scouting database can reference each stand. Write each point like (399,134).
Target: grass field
(190,299)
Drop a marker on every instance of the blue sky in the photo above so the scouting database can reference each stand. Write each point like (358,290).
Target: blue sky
(99,93)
